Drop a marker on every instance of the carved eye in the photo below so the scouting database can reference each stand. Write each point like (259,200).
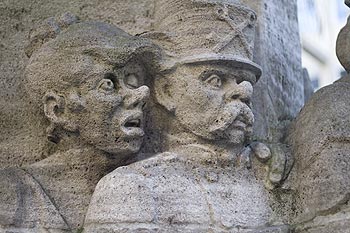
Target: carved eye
(214,80)
(132,81)
(246,101)
(107,85)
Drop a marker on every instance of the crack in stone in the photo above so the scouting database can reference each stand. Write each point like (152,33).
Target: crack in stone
(323,213)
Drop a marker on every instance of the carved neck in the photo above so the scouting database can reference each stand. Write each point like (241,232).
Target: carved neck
(178,139)
(72,173)
(90,163)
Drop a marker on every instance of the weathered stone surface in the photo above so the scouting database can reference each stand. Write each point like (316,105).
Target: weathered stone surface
(278,95)
(24,202)
(85,80)
(22,142)
(320,139)
(201,113)
(334,222)
(308,89)
(174,193)
(203,181)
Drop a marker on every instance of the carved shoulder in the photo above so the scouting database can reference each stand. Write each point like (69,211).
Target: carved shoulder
(148,193)
(20,195)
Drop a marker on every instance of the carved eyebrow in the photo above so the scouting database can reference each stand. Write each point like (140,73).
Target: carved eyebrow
(110,76)
(238,75)
(206,74)
(92,84)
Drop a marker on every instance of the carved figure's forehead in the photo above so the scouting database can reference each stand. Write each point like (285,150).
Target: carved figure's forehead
(134,65)
(80,68)
(197,69)
(90,71)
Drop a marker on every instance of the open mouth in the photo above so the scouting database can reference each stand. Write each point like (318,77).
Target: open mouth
(133,123)
(133,126)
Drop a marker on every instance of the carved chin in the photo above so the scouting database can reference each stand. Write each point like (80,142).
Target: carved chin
(238,136)
(234,124)
(124,146)
(232,135)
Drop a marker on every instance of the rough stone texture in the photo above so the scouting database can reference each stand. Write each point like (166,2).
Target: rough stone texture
(174,193)
(23,202)
(85,80)
(320,139)
(278,95)
(308,89)
(22,142)
(203,181)
(60,179)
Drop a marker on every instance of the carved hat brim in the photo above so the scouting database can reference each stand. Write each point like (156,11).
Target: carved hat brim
(231,61)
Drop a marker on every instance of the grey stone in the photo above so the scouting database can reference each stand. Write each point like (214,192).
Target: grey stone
(308,89)
(86,79)
(320,139)
(276,100)
(172,193)
(66,175)
(261,151)
(320,143)
(203,90)
(24,202)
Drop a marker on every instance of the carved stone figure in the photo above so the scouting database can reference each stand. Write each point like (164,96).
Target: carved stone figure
(87,79)
(320,142)
(201,182)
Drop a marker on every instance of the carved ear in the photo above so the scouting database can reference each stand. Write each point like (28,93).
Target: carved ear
(163,93)
(55,111)
(53,107)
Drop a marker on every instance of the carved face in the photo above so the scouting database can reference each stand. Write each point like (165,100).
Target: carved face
(211,100)
(106,107)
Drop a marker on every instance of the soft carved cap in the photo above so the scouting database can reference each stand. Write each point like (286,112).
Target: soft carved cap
(53,61)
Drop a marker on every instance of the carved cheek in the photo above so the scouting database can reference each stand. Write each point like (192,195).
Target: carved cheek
(215,98)
(101,102)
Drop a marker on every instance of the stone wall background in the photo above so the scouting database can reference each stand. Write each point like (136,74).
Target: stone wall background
(278,95)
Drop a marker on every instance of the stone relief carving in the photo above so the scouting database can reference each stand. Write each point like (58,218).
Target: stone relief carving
(87,79)
(320,138)
(200,182)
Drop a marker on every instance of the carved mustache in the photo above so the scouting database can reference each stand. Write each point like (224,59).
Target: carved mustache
(236,115)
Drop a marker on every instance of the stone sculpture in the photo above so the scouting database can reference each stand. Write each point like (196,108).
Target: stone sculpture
(87,79)
(320,141)
(200,183)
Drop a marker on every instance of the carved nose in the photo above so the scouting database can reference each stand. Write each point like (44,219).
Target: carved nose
(243,91)
(136,98)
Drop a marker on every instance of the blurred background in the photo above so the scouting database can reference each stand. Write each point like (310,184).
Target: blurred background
(319,22)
